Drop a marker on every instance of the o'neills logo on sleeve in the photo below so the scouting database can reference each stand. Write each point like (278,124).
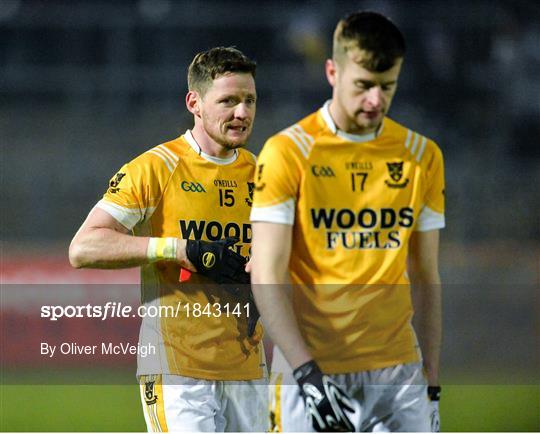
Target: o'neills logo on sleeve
(364,229)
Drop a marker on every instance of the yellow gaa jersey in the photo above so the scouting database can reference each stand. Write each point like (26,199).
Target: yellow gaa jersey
(176,190)
(353,202)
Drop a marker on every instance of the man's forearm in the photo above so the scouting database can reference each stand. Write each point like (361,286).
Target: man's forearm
(428,322)
(271,250)
(109,249)
(275,306)
(423,271)
(103,242)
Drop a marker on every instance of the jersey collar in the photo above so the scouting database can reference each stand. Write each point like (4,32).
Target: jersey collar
(216,160)
(358,138)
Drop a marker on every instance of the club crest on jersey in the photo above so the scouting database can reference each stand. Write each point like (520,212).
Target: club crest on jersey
(113,183)
(150,396)
(249,199)
(193,187)
(395,170)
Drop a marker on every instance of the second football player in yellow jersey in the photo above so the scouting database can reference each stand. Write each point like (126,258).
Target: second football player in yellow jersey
(207,373)
(344,199)
(353,217)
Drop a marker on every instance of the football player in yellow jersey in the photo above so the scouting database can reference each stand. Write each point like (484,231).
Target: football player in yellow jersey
(172,207)
(346,216)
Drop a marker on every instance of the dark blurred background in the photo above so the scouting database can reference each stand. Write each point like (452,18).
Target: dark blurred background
(86,86)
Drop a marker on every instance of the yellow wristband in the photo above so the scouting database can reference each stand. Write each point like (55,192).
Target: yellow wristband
(161,249)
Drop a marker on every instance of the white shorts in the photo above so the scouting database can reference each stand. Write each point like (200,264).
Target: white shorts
(391,399)
(176,403)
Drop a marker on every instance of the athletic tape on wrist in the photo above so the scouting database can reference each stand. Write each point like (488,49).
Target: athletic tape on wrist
(161,249)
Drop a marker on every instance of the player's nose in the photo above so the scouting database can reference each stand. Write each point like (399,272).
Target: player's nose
(242,111)
(375,97)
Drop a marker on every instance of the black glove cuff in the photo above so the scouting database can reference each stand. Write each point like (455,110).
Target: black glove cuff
(193,248)
(434,393)
(306,370)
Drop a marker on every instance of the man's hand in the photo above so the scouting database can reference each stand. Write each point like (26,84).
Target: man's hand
(325,401)
(434,394)
(217,261)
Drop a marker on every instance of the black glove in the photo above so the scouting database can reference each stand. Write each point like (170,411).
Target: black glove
(217,261)
(325,401)
(434,395)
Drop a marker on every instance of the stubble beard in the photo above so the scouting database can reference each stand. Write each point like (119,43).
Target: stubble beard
(231,146)
(371,125)
(221,138)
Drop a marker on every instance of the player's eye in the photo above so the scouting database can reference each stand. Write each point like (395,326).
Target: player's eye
(359,85)
(227,101)
(363,85)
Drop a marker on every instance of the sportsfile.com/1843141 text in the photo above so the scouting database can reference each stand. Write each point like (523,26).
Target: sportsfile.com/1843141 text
(114,309)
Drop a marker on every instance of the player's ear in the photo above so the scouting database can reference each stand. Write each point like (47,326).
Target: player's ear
(192,103)
(331,71)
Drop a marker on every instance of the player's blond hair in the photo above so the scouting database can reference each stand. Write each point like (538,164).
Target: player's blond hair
(208,65)
(373,33)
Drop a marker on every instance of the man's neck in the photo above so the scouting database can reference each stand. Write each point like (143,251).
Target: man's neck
(208,145)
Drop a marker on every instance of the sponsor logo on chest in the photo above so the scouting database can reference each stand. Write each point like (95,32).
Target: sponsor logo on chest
(366,228)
